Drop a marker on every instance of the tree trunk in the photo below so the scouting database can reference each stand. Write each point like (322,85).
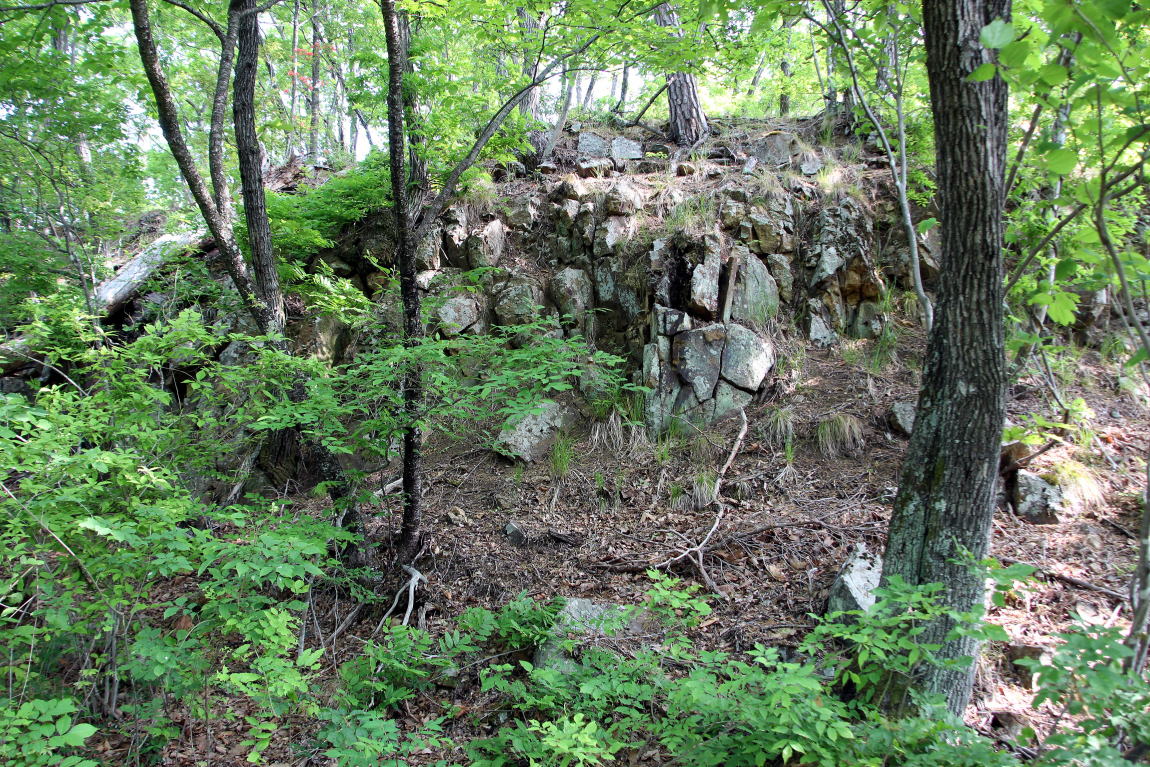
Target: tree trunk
(946,496)
(688,123)
(561,121)
(621,104)
(168,114)
(405,255)
(267,281)
(313,104)
(590,91)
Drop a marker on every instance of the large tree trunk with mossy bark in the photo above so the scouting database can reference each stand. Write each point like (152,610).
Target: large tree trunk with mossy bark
(688,123)
(946,497)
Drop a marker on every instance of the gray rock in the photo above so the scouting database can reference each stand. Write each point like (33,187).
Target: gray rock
(901,418)
(623,199)
(756,298)
(727,400)
(623,148)
(1035,500)
(596,168)
(746,358)
(485,248)
(768,233)
(458,315)
(516,534)
(820,333)
(571,291)
(593,146)
(668,322)
(530,438)
(571,188)
(698,357)
(427,255)
(868,321)
(704,294)
(776,149)
(853,588)
(780,268)
(588,621)
(518,303)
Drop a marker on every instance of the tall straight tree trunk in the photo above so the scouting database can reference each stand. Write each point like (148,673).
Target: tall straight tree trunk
(688,123)
(405,255)
(590,91)
(946,497)
(292,128)
(621,104)
(251,173)
(313,128)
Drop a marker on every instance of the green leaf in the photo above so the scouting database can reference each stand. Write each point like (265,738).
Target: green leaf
(1053,74)
(984,72)
(1061,161)
(926,225)
(997,34)
(1065,269)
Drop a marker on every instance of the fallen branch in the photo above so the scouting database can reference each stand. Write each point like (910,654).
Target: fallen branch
(1067,579)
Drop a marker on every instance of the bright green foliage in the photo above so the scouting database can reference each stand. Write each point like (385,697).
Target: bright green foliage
(39,733)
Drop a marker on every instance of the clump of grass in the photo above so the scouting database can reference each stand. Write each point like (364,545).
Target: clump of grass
(884,349)
(1079,484)
(562,452)
(703,489)
(778,426)
(839,434)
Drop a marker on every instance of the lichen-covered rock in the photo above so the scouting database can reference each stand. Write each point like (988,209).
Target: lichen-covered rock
(523,214)
(854,587)
(704,291)
(530,437)
(756,297)
(623,199)
(747,358)
(1035,500)
(571,188)
(776,149)
(613,232)
(518,303)
(571,291)
(593,146)
(459,315)
(901,418)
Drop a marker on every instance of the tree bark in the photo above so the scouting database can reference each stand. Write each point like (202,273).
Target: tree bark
(405,256)
(313,103)
(621,104)
(267,281)
(688,123)
(946,497)
(231,259)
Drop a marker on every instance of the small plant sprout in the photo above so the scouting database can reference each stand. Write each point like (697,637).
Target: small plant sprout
(561,454)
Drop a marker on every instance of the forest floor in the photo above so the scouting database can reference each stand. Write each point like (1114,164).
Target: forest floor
(774,542)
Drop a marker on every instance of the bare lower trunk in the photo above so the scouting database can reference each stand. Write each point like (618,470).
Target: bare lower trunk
(688,123)
(946,496)
(412,322)
(621,104)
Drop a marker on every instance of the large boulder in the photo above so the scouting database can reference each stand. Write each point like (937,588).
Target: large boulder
(747,358)
(592,146)
(530,437)
(756,296)
(459,315)
(698,356)
(518,303)
(571,292)
(623,148)
(623,199)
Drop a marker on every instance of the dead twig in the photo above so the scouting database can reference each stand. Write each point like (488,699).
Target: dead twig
(1070,580)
